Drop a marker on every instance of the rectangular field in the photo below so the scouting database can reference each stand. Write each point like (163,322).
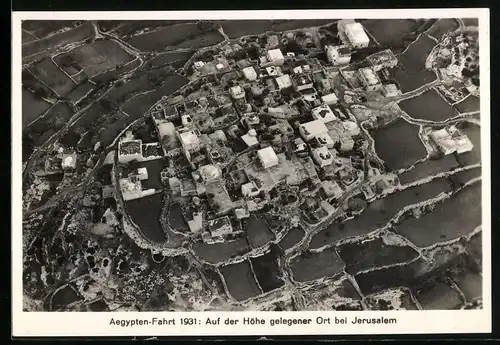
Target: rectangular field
(146,212)
(439,296)
(240,280)
(237,28)
(220,252)
(441,27)
(204,40)
(258,232)
(139,104)
(473,132)
(378,213)
(93,58)
(450,219)
(364,255)
(114,74)
(267,272)
(296,24)
(399,145)
(390,32)
(470,283)
(428,168)
(410,80)
(53,120)
(312,266)
(44,47)
(134,27)
(32,107)
(53,77)
(414,57)
(42,28)
(162,38)
(468,105)
(428,106)
(168,58)
(292,238)
(415,275)
(80,91)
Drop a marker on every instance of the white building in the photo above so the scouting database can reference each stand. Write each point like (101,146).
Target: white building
(250,138)
(209,173)
(390,90)
(322,156)
(331,189)
(329,99)
(237,92)
(383,59)
(196,224)
(131,188)
(249,73)
(69,161)
(338,55)
(351,128)
(249,190)
(369,79)
(299,146)
(142,173)
(356,35)
(284,82)
(129,150)
(275,57)
(190,140)
(198,64)
(268,157)
(220,227)
(323,113)
(312,129)
(325,140)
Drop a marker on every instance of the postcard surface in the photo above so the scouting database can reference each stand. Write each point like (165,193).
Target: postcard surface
(251,173)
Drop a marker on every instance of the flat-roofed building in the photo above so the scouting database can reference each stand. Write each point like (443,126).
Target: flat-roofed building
(369,79)
(275,57)
(322,156)
(450,140)
(338,55)
(250,138)
(329,99)
(356,35)
(383,59)
(250,189)
(190,140)
(129,150)
(390,90)
(323,113)
(312,129)
(237,92)
(284,82)
(268,157)
(250,73)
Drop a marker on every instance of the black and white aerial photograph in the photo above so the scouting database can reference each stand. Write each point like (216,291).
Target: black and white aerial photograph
(251,165)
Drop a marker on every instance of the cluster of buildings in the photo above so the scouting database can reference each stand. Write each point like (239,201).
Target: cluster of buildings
(60,161)
(131,150)
(254,125)
(450,140)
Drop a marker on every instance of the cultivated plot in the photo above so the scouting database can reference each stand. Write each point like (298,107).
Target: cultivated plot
(428,106)
(398,144)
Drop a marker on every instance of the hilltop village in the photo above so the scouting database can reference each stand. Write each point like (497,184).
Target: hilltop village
(297,168)
(272,133)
